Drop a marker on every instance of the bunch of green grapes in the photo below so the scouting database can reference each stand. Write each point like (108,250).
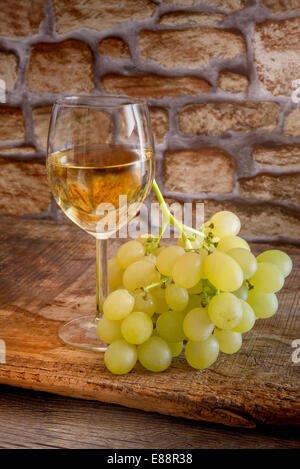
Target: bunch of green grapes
(165,298)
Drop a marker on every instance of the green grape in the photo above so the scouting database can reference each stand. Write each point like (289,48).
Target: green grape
(158,250)
(176,348)
(108,330)
(120,357)
(137,327)
(197,325)
(245,259)
(115,274)
(267,278)
(198,288)
(223,272)
(225,224)
(150,258)
(145,302)
(130,252)
(176,297)
(248,318)
(278,258)
(139,274)
(187,270)
(155,354)
(241,293)
(118,305)
(169,326)
(229,341)
(232,242)
(194,302)
(159,296)
(203,354)
(225,310)
(264,305)
(166,259)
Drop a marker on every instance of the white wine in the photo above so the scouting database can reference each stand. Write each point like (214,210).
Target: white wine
(100,188)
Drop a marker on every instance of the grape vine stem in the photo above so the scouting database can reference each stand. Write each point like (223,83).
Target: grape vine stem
(169,218)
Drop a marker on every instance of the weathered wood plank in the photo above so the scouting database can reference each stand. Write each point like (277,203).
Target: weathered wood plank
(47,277)
(39,420)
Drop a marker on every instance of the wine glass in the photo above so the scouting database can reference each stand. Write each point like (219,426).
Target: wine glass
(100,166)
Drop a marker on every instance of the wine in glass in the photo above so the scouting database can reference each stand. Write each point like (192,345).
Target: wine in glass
(100,166)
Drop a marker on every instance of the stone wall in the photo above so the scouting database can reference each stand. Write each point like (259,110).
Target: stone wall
(218,78)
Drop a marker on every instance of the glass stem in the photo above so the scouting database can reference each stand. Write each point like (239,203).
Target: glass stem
(101,274)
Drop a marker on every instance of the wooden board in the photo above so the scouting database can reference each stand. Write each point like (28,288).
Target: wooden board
(47,276)
(33,419)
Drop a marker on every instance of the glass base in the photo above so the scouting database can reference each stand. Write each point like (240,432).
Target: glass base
(81,333)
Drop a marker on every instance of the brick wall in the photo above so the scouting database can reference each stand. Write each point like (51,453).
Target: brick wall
(218,78)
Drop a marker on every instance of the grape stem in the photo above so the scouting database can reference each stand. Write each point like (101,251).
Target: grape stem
(169,218)
(162,283)
(208,292)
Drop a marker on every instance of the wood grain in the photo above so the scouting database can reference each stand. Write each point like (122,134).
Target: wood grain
(47,277)
(32,419)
